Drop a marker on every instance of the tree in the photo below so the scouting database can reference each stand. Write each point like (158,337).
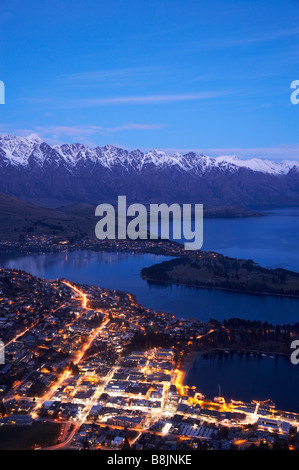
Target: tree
(74,368)
(2,408)
(126,444)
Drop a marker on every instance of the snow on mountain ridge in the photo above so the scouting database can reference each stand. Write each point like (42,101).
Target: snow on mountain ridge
(23,150)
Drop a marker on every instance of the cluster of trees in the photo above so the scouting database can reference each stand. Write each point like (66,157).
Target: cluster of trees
(74,368)
(236,333)
(160,271)
(226,273)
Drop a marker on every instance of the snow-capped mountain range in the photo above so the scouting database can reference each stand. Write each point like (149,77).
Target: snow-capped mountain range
(24,151)
(33,170)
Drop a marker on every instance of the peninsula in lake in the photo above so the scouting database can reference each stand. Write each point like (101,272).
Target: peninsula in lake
(213,270)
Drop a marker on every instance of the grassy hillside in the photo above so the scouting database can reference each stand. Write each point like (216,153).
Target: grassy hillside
(18,217)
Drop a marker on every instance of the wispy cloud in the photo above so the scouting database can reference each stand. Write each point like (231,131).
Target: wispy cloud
(90,130)
(279,152)
(136,127)
(265,37)
(248,40)
(145,99)
(90,135)
(121,76)
(55,134)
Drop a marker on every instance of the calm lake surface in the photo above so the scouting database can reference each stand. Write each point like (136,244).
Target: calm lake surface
(247,378)
(272,241)
(121,271)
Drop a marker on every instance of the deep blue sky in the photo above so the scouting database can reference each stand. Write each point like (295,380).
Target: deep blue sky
(208,75)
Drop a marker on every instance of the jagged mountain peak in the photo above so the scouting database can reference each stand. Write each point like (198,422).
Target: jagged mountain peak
(18,149)
(34,170)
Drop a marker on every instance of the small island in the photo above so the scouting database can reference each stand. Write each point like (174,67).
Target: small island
(212,270)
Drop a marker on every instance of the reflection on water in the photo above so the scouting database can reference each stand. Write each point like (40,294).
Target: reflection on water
(121,271)
(272,241)
(246,377)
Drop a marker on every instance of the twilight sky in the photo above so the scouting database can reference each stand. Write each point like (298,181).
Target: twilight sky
(213,75)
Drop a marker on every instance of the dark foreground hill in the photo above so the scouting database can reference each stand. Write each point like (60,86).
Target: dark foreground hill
(19,218)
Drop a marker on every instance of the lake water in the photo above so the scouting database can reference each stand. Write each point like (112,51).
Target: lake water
(247,378)
(272,241)
(121,271)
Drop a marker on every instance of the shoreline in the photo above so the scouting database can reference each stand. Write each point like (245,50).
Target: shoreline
(187,363)
(161,283)
(170,283)
(192,356)
(159,252)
